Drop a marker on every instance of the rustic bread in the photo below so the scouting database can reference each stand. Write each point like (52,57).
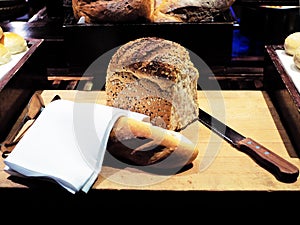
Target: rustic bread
(189,10)
(291,43)
(99,11)
(155,77)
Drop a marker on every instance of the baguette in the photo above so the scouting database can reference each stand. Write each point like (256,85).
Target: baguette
(144,144)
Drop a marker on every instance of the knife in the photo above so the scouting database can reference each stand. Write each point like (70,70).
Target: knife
(283,170)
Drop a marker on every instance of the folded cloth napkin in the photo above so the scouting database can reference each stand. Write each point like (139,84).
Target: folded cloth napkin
(66,143)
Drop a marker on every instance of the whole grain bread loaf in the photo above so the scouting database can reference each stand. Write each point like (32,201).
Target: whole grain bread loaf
(99,11)
(189,10)
(156,77)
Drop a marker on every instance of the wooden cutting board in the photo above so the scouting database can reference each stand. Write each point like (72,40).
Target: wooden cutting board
(219,166)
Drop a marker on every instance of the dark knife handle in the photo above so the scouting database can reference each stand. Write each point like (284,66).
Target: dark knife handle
(282,169)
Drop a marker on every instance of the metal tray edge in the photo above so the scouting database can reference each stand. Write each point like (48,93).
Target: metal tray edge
(33,44)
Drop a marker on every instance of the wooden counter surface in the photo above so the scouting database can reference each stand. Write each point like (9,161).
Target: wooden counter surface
(219,166)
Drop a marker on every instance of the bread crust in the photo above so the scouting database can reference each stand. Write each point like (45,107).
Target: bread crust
(99,11)
(189,10)
(153,58)
(176,150)
(167,6)
(155,77)
(118,11)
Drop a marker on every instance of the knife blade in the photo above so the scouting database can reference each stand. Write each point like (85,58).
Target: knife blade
(282,169)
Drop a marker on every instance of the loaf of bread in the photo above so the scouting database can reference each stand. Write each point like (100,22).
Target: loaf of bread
(156,77)
(189,10)
(291,43)
(101,11)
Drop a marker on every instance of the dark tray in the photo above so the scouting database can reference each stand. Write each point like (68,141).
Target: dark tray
(32,44)
(15,87)
(283,93)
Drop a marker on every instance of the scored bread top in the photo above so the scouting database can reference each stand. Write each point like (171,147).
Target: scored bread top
(99,11)
(153,57)
(167,6)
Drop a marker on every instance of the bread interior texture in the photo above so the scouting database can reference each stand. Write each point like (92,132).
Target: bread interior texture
(155,77)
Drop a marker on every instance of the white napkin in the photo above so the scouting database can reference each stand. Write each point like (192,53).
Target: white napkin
(290,67)
(66,143)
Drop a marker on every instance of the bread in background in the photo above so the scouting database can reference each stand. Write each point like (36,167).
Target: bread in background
(157,11)
(101,11)
(189,11)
